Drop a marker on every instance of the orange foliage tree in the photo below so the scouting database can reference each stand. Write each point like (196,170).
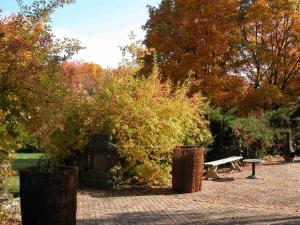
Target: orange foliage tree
(268,43)
(81,75)
(226,92)
(30,88)
(209,41)
(266,98)
(191,37)
(30,79)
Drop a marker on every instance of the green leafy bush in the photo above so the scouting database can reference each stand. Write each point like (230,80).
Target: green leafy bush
(253,135)
(11,134)
(284,120)
(221,127)
(279,118)
(234,135)
(79,120)
(296,112)
(295,117)
(147,119)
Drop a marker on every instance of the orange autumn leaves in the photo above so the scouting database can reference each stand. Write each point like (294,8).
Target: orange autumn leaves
(242,54)
(81,75)
(226,92)
(235,92)
(190,37)
(269,42)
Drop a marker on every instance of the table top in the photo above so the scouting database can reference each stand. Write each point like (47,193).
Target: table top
(252,160)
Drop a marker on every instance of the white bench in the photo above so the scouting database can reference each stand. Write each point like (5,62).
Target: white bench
(213,166)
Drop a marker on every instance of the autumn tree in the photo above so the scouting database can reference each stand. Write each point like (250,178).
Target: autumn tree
(210,40)
(295,86)
(265,98)
(133,53)
(268,42)
(81,75)
(30,61)
(31,90)
(191,37)
(226,92)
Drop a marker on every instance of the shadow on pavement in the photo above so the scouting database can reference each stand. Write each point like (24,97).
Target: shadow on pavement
(184,217)
(133,191)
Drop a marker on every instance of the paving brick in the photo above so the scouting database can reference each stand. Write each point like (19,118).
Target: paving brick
(275,199)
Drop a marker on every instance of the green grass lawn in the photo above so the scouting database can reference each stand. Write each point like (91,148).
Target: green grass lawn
(21,160)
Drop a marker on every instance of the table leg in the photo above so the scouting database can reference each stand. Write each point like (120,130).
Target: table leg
(253,176)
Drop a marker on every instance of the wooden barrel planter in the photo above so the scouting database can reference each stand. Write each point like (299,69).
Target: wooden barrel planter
(187,169)
(49,198)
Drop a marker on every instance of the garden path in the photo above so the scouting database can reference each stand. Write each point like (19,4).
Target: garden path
(275,199)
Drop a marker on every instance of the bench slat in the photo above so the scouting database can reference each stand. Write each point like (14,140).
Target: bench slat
(223,161)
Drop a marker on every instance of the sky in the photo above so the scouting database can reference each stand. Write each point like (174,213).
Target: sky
(101,26)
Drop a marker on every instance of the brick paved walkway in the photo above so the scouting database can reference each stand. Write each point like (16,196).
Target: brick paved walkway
(275,199)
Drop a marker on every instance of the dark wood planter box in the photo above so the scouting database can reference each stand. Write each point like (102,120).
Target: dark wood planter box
(187,169)
(49,198)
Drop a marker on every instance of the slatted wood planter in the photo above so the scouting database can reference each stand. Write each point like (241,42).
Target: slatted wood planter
(49,198)
(187,169)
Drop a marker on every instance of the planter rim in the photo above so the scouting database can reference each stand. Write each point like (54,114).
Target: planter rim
(35,170)
(189,146)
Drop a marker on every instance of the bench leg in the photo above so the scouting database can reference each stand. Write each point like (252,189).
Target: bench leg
(212,172)
(236,166)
